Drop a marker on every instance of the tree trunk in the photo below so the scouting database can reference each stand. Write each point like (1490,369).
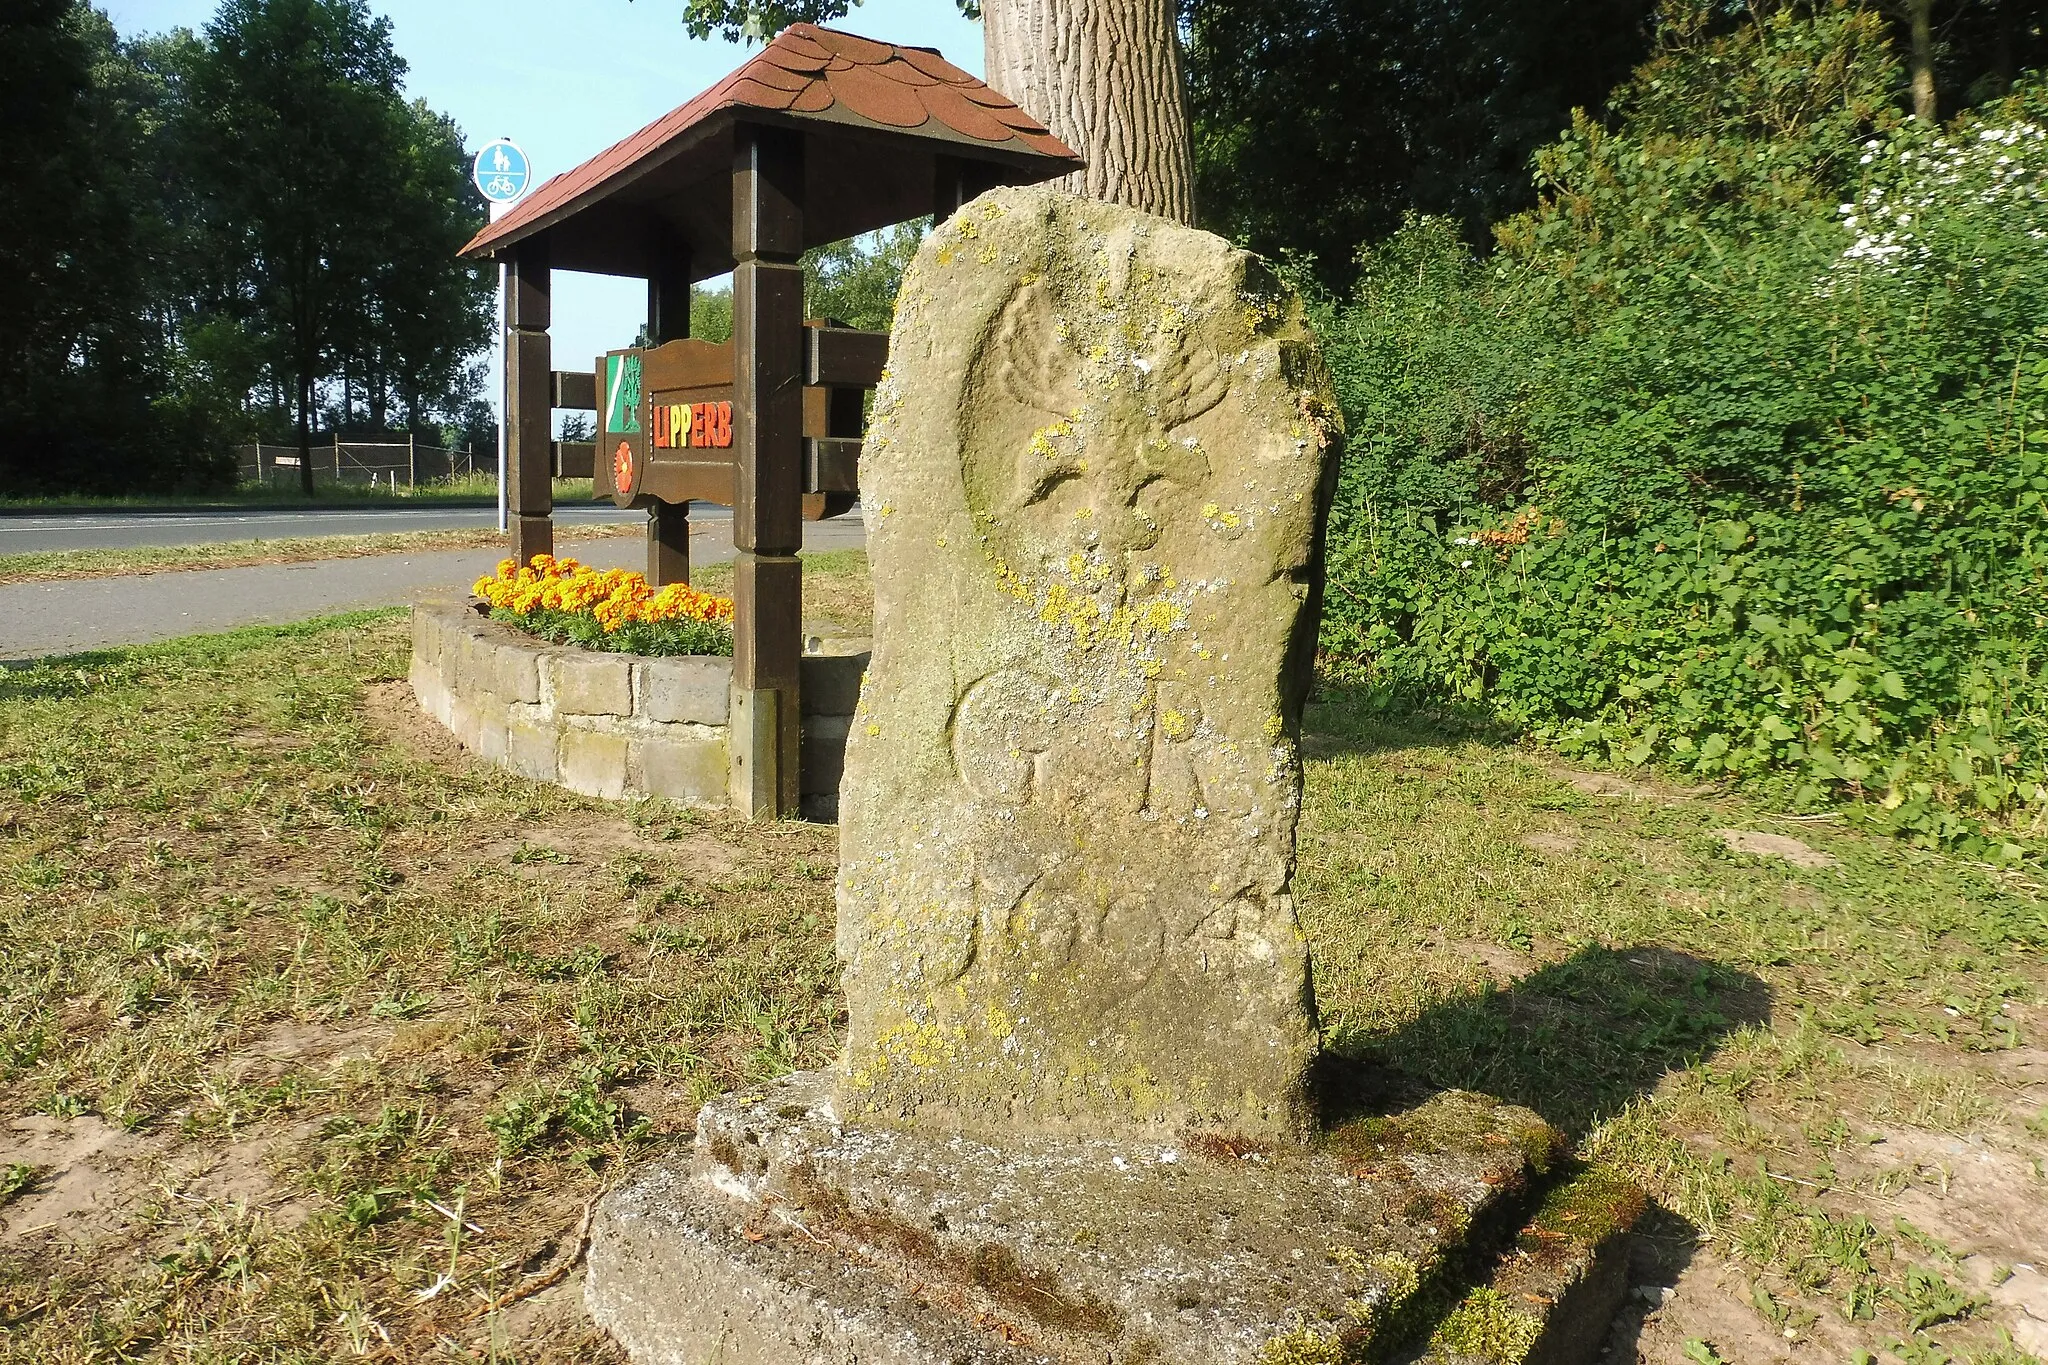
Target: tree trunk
(305,433)
(1920,18)
(2002,66)
(1105,75)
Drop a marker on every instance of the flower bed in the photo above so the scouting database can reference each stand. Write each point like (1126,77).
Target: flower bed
(615,610)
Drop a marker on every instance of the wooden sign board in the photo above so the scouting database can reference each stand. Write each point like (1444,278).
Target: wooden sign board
(665,430)
(665,421)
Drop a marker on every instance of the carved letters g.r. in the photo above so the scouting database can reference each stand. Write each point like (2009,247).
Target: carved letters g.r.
(1092,485)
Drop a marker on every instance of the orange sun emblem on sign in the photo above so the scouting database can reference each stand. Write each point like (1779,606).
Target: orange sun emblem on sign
(622,467)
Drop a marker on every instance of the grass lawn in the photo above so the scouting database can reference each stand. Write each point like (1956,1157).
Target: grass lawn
(463,490)
(51,565)
(317,1038)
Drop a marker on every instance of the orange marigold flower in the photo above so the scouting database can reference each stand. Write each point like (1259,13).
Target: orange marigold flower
(613,597)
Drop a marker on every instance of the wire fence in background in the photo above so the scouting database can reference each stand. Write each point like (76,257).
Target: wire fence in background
(406,463)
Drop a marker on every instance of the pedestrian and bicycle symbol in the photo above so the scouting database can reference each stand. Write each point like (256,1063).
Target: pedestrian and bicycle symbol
(502,172)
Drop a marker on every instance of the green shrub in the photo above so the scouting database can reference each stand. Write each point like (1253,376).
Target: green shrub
(1735,456)
(634,637)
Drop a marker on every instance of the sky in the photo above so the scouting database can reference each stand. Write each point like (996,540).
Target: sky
(565,79)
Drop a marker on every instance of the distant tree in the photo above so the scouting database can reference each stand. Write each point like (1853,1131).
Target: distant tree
(1320,123)
(296,123)
(759,20)
(710,316)
(1964,53)
(81,354)
(855,281)
(425,314)
(212,356)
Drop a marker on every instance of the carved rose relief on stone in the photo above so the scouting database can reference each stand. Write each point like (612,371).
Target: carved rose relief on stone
(1092,484)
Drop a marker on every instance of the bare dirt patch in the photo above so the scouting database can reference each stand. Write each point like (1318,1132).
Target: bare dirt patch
(1556,843)
(1762,844)
(393,714)
(94,1177)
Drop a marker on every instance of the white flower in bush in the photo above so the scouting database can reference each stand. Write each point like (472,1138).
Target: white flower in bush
(1944,180)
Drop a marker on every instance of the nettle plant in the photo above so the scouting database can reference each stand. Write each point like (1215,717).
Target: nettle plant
(1735,458)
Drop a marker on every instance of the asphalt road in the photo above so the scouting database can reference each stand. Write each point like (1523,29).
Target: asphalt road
(129,530)
(40,619)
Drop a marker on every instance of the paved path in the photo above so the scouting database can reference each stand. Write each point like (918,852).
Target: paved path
(127,530)
(38,619)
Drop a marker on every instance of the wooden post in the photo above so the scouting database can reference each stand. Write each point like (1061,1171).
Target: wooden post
(528,394)
(768,423)
(668,319)
(954,182)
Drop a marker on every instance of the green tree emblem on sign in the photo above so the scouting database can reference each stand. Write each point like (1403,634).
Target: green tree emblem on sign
(622,386)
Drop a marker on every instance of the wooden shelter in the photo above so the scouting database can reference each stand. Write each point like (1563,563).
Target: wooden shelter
(820,136)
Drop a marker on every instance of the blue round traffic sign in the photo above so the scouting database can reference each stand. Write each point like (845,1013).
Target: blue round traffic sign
(502,171)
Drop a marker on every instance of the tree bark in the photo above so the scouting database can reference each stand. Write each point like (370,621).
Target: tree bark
(1920,20)
(2002,66)
(305,431)
(1106,77)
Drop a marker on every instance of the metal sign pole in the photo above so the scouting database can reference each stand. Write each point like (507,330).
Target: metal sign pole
(504,400)
(502,174)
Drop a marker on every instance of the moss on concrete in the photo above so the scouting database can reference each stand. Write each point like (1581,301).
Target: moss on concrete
(1486,1327)
(1309,1346)
(1591,1206)
(1454,1121)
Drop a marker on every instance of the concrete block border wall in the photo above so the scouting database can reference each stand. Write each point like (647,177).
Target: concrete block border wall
(617,726)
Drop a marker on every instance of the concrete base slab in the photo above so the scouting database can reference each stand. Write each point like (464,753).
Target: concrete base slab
(786,1237)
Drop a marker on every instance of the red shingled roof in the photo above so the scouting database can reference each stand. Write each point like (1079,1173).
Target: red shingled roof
(822,73)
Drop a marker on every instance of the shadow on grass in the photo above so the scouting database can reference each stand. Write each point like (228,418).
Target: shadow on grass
(1342,719)
(1574,1041)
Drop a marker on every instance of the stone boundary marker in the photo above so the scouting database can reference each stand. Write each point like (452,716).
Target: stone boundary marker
(616,726)
(1080,1115)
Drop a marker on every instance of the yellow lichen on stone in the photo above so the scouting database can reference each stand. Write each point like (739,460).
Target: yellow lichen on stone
(1174,725)
(1042,440)
(920,1045)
